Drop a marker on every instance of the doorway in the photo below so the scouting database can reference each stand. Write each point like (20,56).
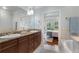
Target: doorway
(52,27)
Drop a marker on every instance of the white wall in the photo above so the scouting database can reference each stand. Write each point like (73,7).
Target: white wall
(8,18)
(6,21)
(67,12)
(39,22)
(23,21)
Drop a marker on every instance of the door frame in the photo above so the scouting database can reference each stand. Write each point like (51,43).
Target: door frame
(59,22)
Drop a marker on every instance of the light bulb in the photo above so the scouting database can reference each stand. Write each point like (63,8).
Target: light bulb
(30,12)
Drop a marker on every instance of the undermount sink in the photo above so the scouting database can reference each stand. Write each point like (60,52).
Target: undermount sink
(33,31)
(11,36)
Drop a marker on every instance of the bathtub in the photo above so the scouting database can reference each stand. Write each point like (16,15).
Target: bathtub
(66,46)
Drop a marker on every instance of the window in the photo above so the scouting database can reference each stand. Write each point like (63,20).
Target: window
(52,24)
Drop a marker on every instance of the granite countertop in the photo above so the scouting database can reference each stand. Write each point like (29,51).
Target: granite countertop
(14,36)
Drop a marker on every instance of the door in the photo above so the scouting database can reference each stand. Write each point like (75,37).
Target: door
(31,43)
(23,45)
(9,46)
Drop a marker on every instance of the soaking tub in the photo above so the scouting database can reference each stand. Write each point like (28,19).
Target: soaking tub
(66,46)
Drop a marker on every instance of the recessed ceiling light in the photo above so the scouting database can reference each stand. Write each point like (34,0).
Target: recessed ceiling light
(4,7)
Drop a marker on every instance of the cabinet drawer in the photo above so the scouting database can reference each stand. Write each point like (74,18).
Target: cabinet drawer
(8,44)
(22,39)
(10,49)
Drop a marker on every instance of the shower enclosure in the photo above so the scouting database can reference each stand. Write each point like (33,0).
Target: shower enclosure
(74,26)
(74,32)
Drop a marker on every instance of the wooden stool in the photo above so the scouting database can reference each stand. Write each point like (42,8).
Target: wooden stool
(50,41)
(53,41)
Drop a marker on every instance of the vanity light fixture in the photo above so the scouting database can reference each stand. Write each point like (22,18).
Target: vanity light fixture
(30,11)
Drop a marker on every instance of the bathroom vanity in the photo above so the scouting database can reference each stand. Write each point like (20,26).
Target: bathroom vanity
(24,43)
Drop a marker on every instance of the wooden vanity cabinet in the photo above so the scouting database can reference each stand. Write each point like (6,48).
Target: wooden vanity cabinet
(37,39)
(0,47)
(9,46)
(34,41)
(31,43)
(23,44)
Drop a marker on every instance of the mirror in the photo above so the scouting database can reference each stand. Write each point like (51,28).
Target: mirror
(74,26)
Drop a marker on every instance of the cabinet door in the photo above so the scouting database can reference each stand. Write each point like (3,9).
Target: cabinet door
(12,49)
(31,43)
(34,41)
(9,46)
(37,39)
(23,45)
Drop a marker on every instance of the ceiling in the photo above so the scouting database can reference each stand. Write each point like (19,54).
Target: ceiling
(12,8)
(35,8)
(40,7)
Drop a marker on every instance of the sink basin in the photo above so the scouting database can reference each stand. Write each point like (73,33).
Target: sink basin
(33,31)
(11,36)
(25,32)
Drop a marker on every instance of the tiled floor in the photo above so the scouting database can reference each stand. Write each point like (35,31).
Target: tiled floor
(47,49)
